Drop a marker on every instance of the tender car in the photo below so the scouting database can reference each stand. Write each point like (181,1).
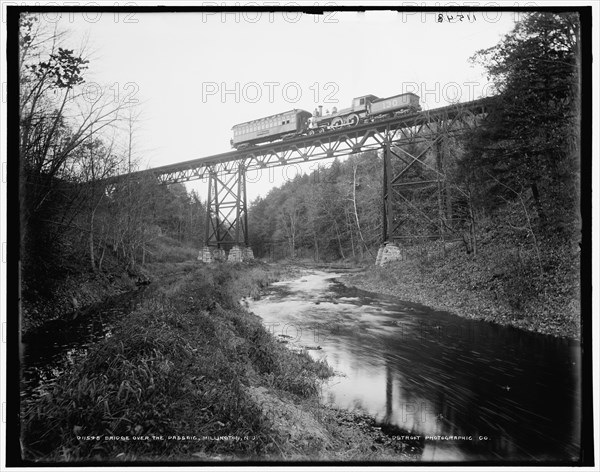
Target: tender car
(403,102)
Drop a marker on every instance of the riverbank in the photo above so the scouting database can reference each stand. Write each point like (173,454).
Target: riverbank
(499,287)
(190,375)
(74,293)
(63,290)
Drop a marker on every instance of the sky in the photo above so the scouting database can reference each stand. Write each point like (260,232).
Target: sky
(196,75)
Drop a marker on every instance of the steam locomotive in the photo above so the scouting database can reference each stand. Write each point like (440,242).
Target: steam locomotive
(298,122)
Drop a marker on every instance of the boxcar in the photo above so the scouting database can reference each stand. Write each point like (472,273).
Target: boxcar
(408,101)
(270,128)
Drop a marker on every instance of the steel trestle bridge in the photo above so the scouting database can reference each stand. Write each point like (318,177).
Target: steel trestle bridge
(397,138)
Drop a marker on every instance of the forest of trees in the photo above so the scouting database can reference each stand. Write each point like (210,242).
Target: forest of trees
(515,179)
(333,213)
(71,138)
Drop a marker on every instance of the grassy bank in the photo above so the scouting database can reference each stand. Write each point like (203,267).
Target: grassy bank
(67,285)
(62,298)
(191,376)
(502,285)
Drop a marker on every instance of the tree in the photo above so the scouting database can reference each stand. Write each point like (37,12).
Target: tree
(62,126)
(530,141)
(96,163)
(289,218)
(57,116)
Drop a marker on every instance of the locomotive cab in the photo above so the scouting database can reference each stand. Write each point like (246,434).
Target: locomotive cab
(361,104)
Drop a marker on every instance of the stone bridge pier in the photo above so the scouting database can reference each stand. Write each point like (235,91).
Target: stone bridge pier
(235,254)
(388,252)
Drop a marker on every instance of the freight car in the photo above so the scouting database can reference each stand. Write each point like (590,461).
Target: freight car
(297,122)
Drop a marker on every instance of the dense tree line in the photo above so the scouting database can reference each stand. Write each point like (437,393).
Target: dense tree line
(528,151)
(513,180)
(329,214)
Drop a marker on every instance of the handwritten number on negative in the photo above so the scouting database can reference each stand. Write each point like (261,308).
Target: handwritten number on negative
(459,18)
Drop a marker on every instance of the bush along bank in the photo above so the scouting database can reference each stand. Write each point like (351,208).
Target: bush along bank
(502,284)
(190,375)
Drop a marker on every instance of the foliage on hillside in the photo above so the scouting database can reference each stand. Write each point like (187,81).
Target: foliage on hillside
(330,214)
(528,151)
(503,285)
(77,231)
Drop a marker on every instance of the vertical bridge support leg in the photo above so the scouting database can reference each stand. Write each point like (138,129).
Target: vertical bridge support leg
(226,218)
(420,171)
(388,251)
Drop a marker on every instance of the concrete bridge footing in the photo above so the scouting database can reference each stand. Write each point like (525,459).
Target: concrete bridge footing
(387,253)
(236,254)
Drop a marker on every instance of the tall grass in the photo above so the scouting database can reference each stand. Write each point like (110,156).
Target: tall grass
(179,365)
(166,249)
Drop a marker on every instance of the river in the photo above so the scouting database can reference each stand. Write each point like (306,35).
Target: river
(53,348)
(471,390)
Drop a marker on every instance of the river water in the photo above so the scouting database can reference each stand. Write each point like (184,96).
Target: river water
(471,390)
(50,350)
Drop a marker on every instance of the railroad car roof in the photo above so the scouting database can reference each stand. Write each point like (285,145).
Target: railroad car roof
(399,95)
(295,110)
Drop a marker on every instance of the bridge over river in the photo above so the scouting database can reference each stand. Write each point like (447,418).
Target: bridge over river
(227,221)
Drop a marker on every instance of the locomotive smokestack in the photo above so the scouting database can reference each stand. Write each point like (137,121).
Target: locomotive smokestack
(320,110)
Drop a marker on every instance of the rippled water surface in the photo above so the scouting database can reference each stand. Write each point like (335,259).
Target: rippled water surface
(512,395)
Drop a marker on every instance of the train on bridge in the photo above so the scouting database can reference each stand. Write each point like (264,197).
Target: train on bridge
(293,123)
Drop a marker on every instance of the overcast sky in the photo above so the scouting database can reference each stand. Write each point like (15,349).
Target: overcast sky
(198,74)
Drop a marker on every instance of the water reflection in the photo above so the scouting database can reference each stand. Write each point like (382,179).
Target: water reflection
(472,390)
(58,345)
